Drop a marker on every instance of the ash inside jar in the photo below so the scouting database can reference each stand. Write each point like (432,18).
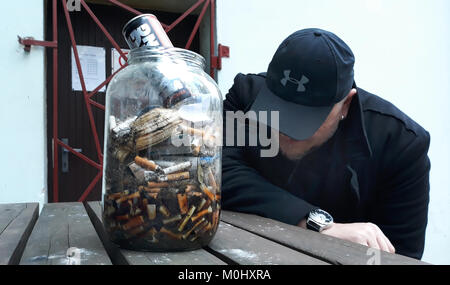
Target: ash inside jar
(160,196)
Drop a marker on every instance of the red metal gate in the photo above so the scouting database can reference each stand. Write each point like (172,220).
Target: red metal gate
(89,102)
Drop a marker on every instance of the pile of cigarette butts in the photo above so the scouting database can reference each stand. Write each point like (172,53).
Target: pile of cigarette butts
(159,196)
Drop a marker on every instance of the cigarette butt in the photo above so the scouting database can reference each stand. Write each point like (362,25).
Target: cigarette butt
(189,188)
(163,210)
(192,131)
(196,150)
(200,227)
(114,196)
(207,204)
(137,171)
(122,218)
(178,176)
(158,184)
(174,176)
(147,164)
(186,219)
(153,190)
(202,203)
(153,195)
(182,203)
(133,166)
(212,181)
(209,139)
(128,197)
(201,214)
(215,218)
(208,193)
(204,229)
(186,235)
(198,194)
(134,222)
(170,233)
(177,167)
(151,211)
(164,163)
(149,189)
(171,220)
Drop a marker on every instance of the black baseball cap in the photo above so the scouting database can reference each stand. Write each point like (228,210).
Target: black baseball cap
(311,71)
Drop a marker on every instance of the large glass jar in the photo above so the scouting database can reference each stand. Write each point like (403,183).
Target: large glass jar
(162,152)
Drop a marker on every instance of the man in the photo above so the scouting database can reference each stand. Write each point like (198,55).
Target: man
(345,154)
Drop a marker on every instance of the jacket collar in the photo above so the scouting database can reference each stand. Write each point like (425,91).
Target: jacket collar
(353,132)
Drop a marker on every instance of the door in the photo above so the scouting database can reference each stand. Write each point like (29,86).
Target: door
(79,124)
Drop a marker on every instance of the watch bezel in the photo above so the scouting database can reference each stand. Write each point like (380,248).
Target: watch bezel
(316,223)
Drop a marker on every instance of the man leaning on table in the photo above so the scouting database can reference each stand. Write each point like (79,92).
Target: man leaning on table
(351,165)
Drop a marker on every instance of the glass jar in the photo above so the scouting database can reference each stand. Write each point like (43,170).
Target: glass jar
(162,152)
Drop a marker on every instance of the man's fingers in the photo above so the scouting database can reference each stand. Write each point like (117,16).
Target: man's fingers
(381,239)
(373,243)
(382,242)
(366,234)
(391,247)
(365,243)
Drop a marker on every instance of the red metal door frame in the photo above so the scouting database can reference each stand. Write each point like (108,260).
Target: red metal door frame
(27,42)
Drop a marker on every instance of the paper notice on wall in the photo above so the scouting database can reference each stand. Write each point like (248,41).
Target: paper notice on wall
(116,61)
(92,61)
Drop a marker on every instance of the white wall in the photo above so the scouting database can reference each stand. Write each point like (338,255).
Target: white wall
(23,167)
(402,50)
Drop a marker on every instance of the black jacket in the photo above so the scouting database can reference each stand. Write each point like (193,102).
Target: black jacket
(374,169)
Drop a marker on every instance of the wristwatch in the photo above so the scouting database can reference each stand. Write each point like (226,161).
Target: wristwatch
(318,220)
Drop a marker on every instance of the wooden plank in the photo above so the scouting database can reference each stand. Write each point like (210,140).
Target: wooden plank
(123,256)
(333,250)
(246,248)
(63,228)
(15,233)
(195,257)
(8,212)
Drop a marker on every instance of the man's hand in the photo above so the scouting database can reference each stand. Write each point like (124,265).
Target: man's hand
(367,234)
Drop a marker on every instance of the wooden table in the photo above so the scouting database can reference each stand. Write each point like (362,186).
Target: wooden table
(64,228)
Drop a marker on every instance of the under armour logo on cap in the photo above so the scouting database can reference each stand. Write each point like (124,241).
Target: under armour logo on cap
(301,83)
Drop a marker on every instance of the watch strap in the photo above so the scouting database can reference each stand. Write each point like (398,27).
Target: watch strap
(311,225)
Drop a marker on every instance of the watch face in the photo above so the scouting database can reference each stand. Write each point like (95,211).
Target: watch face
(321,217)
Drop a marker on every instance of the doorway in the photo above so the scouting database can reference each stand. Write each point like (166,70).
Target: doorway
(74,126)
